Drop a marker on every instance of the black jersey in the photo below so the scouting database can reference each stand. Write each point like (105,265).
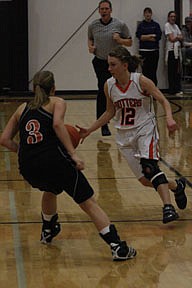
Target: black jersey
(44,161)
(36,134)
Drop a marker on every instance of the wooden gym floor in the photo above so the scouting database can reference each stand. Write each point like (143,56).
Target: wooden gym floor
(78,258)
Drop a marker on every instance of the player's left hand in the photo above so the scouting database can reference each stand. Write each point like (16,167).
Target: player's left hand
(172,126)
(79,163)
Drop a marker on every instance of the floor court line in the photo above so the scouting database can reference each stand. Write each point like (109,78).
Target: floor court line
(21,277)
(175,171)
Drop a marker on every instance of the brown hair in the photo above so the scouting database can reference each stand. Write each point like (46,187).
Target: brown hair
(125,56)
(170,12)
(147,9)
(105,1)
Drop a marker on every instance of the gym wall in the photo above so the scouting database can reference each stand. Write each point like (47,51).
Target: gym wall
(51,23)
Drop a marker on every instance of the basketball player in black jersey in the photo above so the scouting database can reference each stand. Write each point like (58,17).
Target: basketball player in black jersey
(49,162)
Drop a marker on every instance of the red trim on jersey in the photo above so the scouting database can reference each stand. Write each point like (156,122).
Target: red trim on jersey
(151,149)
(157,151)
(126,88)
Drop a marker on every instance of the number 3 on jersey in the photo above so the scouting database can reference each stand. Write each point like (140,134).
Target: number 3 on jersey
(35,136)
(128,116)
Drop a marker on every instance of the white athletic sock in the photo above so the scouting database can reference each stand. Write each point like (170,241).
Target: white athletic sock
(47,217)
(105,230)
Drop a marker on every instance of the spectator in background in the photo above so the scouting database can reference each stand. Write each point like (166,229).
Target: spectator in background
(149,33)
(105,34)
(187,39)
(173,54)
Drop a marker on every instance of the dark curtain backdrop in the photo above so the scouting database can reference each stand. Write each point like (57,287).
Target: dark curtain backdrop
(14,45)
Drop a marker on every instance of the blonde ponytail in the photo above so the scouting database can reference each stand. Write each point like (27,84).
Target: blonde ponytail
(43,82)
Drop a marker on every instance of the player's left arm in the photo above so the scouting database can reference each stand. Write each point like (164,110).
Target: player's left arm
(59,110)
(149,88)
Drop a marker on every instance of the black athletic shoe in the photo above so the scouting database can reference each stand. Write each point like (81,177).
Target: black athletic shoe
(122,252)
(169,213)
(50,229)
(179,193)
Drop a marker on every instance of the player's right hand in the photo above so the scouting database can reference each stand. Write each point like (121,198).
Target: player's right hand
(83,132)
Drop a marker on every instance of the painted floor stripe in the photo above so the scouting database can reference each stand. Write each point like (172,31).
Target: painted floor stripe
(21,278)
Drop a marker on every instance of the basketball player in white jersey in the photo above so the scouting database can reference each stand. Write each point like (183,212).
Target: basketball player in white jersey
(129,102)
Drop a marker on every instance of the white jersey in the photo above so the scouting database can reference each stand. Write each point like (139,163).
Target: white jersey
(137,135)
(133,107)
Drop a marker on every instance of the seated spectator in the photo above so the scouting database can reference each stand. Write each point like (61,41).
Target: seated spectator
(187,39)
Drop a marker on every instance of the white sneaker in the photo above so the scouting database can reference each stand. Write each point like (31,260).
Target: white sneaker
(179,94)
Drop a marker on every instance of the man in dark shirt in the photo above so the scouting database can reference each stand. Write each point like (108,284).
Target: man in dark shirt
(149,33)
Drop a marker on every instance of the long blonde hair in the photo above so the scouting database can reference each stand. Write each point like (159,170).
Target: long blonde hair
(43,82)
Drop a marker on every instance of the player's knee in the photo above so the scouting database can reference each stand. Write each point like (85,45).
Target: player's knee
(152,172)
(145,182)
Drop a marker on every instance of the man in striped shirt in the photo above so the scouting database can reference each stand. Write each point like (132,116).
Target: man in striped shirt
(104,35)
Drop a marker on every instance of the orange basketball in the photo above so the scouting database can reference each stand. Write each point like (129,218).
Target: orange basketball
(74,134)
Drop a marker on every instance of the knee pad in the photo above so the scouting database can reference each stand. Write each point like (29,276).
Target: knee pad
(152,172)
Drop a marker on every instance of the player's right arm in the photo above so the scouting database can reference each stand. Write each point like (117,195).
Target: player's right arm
(11,129)
(103,119)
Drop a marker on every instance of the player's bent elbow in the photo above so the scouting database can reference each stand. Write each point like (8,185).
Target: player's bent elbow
(3,141)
